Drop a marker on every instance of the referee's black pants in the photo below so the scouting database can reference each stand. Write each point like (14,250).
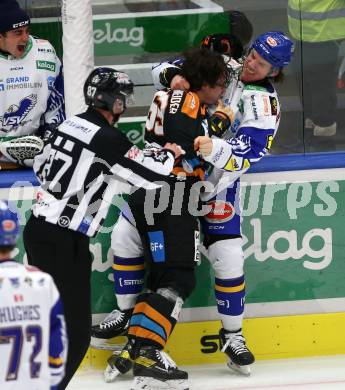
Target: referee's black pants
(65,255)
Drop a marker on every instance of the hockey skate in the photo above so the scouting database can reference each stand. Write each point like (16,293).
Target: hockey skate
(233,344)
(119,363)
(115,324)
(155,370)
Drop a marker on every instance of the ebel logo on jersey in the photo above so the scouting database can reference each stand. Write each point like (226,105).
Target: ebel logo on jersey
(15,115)
(46,65)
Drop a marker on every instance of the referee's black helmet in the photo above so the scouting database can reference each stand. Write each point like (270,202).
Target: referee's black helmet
(105,85)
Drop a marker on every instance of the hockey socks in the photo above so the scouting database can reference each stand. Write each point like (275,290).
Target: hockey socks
(153,319)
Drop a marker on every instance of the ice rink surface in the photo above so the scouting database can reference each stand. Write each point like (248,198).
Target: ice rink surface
(326,372)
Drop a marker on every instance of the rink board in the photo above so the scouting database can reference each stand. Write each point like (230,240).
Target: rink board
(268,338)
(294,260)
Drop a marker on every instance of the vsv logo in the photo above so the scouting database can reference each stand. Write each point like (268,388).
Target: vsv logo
(14,115)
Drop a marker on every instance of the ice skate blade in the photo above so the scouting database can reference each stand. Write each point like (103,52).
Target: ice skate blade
(243,370)
(104,344)
(110,374)
(147,383)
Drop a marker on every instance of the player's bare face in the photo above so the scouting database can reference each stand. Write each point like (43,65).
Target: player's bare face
(118,107)
(255,68)
(15,41)
(211,95)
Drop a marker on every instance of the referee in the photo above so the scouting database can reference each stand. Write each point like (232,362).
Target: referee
(82,166)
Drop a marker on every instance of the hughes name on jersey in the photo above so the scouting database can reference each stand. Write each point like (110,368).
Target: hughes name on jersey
(31,90)
(33,344)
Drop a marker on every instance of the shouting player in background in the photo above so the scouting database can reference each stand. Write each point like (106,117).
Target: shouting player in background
(31,88)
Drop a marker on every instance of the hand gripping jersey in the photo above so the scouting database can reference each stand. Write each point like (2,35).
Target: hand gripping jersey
(85,164)
(33,344)
(31,90)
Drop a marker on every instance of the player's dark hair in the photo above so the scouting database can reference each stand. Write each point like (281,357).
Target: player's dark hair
(202,66)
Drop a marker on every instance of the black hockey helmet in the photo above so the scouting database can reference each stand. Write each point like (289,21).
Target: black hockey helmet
(105,85)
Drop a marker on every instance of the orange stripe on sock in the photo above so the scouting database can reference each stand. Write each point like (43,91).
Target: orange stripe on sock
(154,315)
(146,334)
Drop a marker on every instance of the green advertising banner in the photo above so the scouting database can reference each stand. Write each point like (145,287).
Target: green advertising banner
(154,34)
(293,244)
(139,35)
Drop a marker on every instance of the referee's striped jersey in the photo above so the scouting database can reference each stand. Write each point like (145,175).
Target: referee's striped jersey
(84,164)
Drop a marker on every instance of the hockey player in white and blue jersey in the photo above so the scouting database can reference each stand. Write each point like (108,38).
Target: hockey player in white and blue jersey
(31,87)
(247,119)
(252,122)
(33,344)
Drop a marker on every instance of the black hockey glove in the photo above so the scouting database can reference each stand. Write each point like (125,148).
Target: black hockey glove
(221,120)
(166,76)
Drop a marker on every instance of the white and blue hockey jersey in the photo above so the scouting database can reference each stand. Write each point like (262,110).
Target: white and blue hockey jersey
(256,111)
(33,343)
(31,90)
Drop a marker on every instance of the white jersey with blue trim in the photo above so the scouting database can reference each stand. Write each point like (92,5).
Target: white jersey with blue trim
(256,120)
(31,90)
(33,343)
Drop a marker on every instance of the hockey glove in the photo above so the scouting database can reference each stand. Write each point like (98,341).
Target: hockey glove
(227,44)
(168,74)
(221,120)
(21,150)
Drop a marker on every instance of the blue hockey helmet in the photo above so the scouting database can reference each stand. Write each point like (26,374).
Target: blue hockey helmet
(9,225)
(275,47)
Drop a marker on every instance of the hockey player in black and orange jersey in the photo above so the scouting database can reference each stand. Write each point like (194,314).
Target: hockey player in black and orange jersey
(168,238)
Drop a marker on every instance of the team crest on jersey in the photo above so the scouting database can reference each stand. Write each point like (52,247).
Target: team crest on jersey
(28,281)
(221,211)
(1,282)
(14,282)
(15,115)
